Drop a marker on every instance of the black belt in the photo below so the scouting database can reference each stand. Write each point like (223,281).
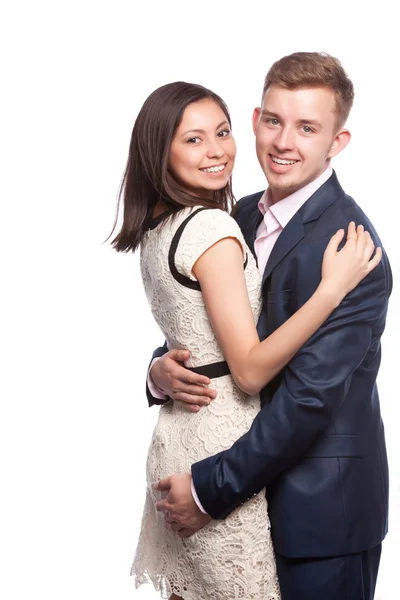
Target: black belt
(213,370)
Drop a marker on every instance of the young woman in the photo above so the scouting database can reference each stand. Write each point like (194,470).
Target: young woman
(177,193)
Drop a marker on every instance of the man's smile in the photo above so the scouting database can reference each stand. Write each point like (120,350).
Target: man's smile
(282,161)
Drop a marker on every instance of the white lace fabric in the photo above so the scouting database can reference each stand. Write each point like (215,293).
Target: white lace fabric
(233,558)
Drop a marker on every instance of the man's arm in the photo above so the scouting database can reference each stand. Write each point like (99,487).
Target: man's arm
(314,384)
(152,396)
(168,378)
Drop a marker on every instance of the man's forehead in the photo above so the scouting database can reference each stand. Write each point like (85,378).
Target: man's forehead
(304,101)
(303,93)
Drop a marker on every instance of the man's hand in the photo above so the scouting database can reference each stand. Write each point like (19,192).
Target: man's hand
(180,509)
(170,376)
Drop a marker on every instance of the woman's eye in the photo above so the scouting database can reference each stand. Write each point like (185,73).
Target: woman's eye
(193,140)
(224,132)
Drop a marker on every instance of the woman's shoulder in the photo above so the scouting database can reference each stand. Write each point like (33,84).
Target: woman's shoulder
(204,215)
(193,223)
(202,227)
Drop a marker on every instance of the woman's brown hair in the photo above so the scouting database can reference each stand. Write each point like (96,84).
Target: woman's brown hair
(147,181)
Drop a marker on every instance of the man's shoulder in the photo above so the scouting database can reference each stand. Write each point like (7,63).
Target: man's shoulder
(247,203)
(348,209)
(251,198)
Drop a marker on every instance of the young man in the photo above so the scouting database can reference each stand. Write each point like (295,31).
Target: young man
(318,443)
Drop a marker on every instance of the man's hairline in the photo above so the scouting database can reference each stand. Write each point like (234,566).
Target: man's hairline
(309,86)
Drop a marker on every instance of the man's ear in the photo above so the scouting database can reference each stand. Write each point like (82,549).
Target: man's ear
(256,116)
(341,139)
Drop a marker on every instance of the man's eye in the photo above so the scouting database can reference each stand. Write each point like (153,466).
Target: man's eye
(307,129)
(273,121)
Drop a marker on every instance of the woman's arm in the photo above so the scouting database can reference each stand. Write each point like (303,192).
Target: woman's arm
(253,363)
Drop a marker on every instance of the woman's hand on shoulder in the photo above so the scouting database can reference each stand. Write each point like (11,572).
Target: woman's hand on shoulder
(343,270)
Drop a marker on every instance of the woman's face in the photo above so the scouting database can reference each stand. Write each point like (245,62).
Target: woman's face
(203,150)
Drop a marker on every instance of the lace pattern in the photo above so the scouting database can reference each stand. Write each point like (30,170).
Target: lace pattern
(230,559)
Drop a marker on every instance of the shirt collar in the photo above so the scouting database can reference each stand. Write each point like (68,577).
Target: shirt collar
(284,210)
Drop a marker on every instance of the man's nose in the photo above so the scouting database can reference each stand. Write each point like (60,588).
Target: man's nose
(285,139)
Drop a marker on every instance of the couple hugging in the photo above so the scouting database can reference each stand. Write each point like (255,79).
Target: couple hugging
(267,474)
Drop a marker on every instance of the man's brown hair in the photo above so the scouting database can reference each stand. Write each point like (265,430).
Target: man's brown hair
(314,69)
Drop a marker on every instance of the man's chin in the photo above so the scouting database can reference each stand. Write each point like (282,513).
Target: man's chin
(281,190)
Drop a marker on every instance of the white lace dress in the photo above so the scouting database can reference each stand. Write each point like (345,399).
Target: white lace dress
(231,558)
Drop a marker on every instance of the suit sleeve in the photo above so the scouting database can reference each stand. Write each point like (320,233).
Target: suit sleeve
(150,398)
(313,385)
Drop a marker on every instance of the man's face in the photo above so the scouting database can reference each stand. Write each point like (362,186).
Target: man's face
(296,136)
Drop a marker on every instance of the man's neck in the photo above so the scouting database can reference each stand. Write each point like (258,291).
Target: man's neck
(279,195)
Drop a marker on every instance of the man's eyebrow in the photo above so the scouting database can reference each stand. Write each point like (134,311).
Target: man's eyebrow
(202,130)
(270,114)
(309,122)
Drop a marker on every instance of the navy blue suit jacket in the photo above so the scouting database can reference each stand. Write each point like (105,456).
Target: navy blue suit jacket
(318,443)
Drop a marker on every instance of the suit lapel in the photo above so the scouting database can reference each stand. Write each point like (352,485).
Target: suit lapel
(290,236)
(255,221)
(311,210)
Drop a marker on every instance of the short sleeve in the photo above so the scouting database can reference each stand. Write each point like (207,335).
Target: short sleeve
(198,232)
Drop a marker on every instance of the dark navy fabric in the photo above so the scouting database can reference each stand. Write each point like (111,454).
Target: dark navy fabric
(153,400)
(351,577)
(318,443)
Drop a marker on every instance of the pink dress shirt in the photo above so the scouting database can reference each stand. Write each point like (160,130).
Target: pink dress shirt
(276,217)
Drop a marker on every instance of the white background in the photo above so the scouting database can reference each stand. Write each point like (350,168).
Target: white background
(77,334)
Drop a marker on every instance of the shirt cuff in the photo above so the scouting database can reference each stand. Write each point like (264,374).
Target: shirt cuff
(196,498)
(154,390)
